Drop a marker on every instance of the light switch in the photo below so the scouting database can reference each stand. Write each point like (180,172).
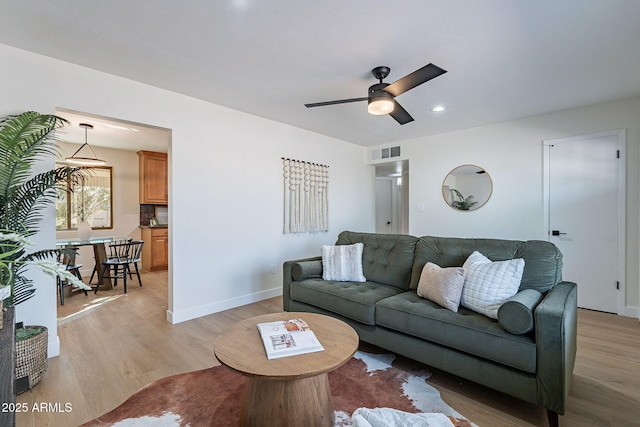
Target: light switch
(420,207)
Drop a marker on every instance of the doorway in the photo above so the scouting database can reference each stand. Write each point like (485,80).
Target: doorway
(584,214)
(117,141)
(392,197)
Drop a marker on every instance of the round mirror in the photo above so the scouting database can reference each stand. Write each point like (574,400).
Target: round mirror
(467,188)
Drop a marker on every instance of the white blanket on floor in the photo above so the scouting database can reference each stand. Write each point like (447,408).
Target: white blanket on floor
(385,417)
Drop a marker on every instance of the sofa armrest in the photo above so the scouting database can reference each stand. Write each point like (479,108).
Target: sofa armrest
(287,278)
(556,329)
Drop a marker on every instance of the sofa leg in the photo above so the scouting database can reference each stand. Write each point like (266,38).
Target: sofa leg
(553,418)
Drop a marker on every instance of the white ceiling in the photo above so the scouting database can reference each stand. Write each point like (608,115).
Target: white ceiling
(505,58)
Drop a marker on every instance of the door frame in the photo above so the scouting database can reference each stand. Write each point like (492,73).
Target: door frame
(621,134)
(395,169)
(394,206)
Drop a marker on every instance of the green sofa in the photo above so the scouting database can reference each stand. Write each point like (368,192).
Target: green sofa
(535,366)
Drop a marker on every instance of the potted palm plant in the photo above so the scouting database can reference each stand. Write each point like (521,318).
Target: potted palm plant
(24,140)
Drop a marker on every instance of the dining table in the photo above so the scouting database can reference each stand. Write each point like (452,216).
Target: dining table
(99,253)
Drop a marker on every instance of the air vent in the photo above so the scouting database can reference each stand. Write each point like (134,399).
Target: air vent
(385,153)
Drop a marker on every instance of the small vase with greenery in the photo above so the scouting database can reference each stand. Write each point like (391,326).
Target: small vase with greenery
(25,139)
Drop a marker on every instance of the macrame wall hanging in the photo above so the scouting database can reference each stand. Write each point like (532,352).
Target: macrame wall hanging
(306,196)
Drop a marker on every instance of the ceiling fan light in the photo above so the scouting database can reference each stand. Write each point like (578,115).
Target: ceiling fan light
(380,103)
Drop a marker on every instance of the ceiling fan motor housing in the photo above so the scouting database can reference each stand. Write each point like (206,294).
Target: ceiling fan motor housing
(378,87)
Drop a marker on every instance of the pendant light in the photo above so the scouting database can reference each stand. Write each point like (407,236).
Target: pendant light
(85,161)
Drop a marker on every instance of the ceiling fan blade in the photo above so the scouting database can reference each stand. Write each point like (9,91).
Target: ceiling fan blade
(414,79)
(340,101)
(400,114)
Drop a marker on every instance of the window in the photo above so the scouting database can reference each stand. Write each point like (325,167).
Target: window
(89,200)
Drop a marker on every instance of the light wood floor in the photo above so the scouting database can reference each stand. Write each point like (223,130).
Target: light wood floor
(124,342)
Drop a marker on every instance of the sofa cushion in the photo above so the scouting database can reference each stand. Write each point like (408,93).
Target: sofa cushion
(516,314)
(306,269)
(442,285)
(355,300)
(543,260)
(386,259)
(466,330)
(488,284)
(343,263)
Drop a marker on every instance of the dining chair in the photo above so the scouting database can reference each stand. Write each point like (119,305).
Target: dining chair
(67,257)
(118,265)
(111,254)
(135,256)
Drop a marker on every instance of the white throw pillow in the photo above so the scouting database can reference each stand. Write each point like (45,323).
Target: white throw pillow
(343,263)
(442,285)
(488,284)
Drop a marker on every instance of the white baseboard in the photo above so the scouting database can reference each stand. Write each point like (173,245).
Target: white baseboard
(631,312)
(204,310)
(53,346)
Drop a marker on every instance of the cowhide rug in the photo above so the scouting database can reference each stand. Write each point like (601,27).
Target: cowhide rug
(211,397)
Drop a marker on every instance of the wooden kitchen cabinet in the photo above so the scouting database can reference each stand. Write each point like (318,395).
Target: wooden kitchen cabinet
(154,178)
(155,251)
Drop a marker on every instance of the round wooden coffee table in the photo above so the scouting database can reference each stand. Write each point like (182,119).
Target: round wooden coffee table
(289,391)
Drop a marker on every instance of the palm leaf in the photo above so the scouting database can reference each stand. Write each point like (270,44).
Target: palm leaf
(46,254)
(24,211)
(23,289)
(24,139)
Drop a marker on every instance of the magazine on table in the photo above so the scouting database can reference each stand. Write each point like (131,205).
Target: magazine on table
(288,338)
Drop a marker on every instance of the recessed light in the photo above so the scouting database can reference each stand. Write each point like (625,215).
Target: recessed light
(438,108)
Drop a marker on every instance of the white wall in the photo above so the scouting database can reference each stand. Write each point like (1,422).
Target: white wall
(511,152)
(126,208)
(225,221)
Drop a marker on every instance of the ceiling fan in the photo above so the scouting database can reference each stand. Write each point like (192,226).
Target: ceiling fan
(381,98)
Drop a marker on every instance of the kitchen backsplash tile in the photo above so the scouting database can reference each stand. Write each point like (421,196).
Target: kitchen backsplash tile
(146,213)
(162,213)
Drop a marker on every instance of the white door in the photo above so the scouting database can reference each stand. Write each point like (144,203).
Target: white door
(585,207)
(384,206)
